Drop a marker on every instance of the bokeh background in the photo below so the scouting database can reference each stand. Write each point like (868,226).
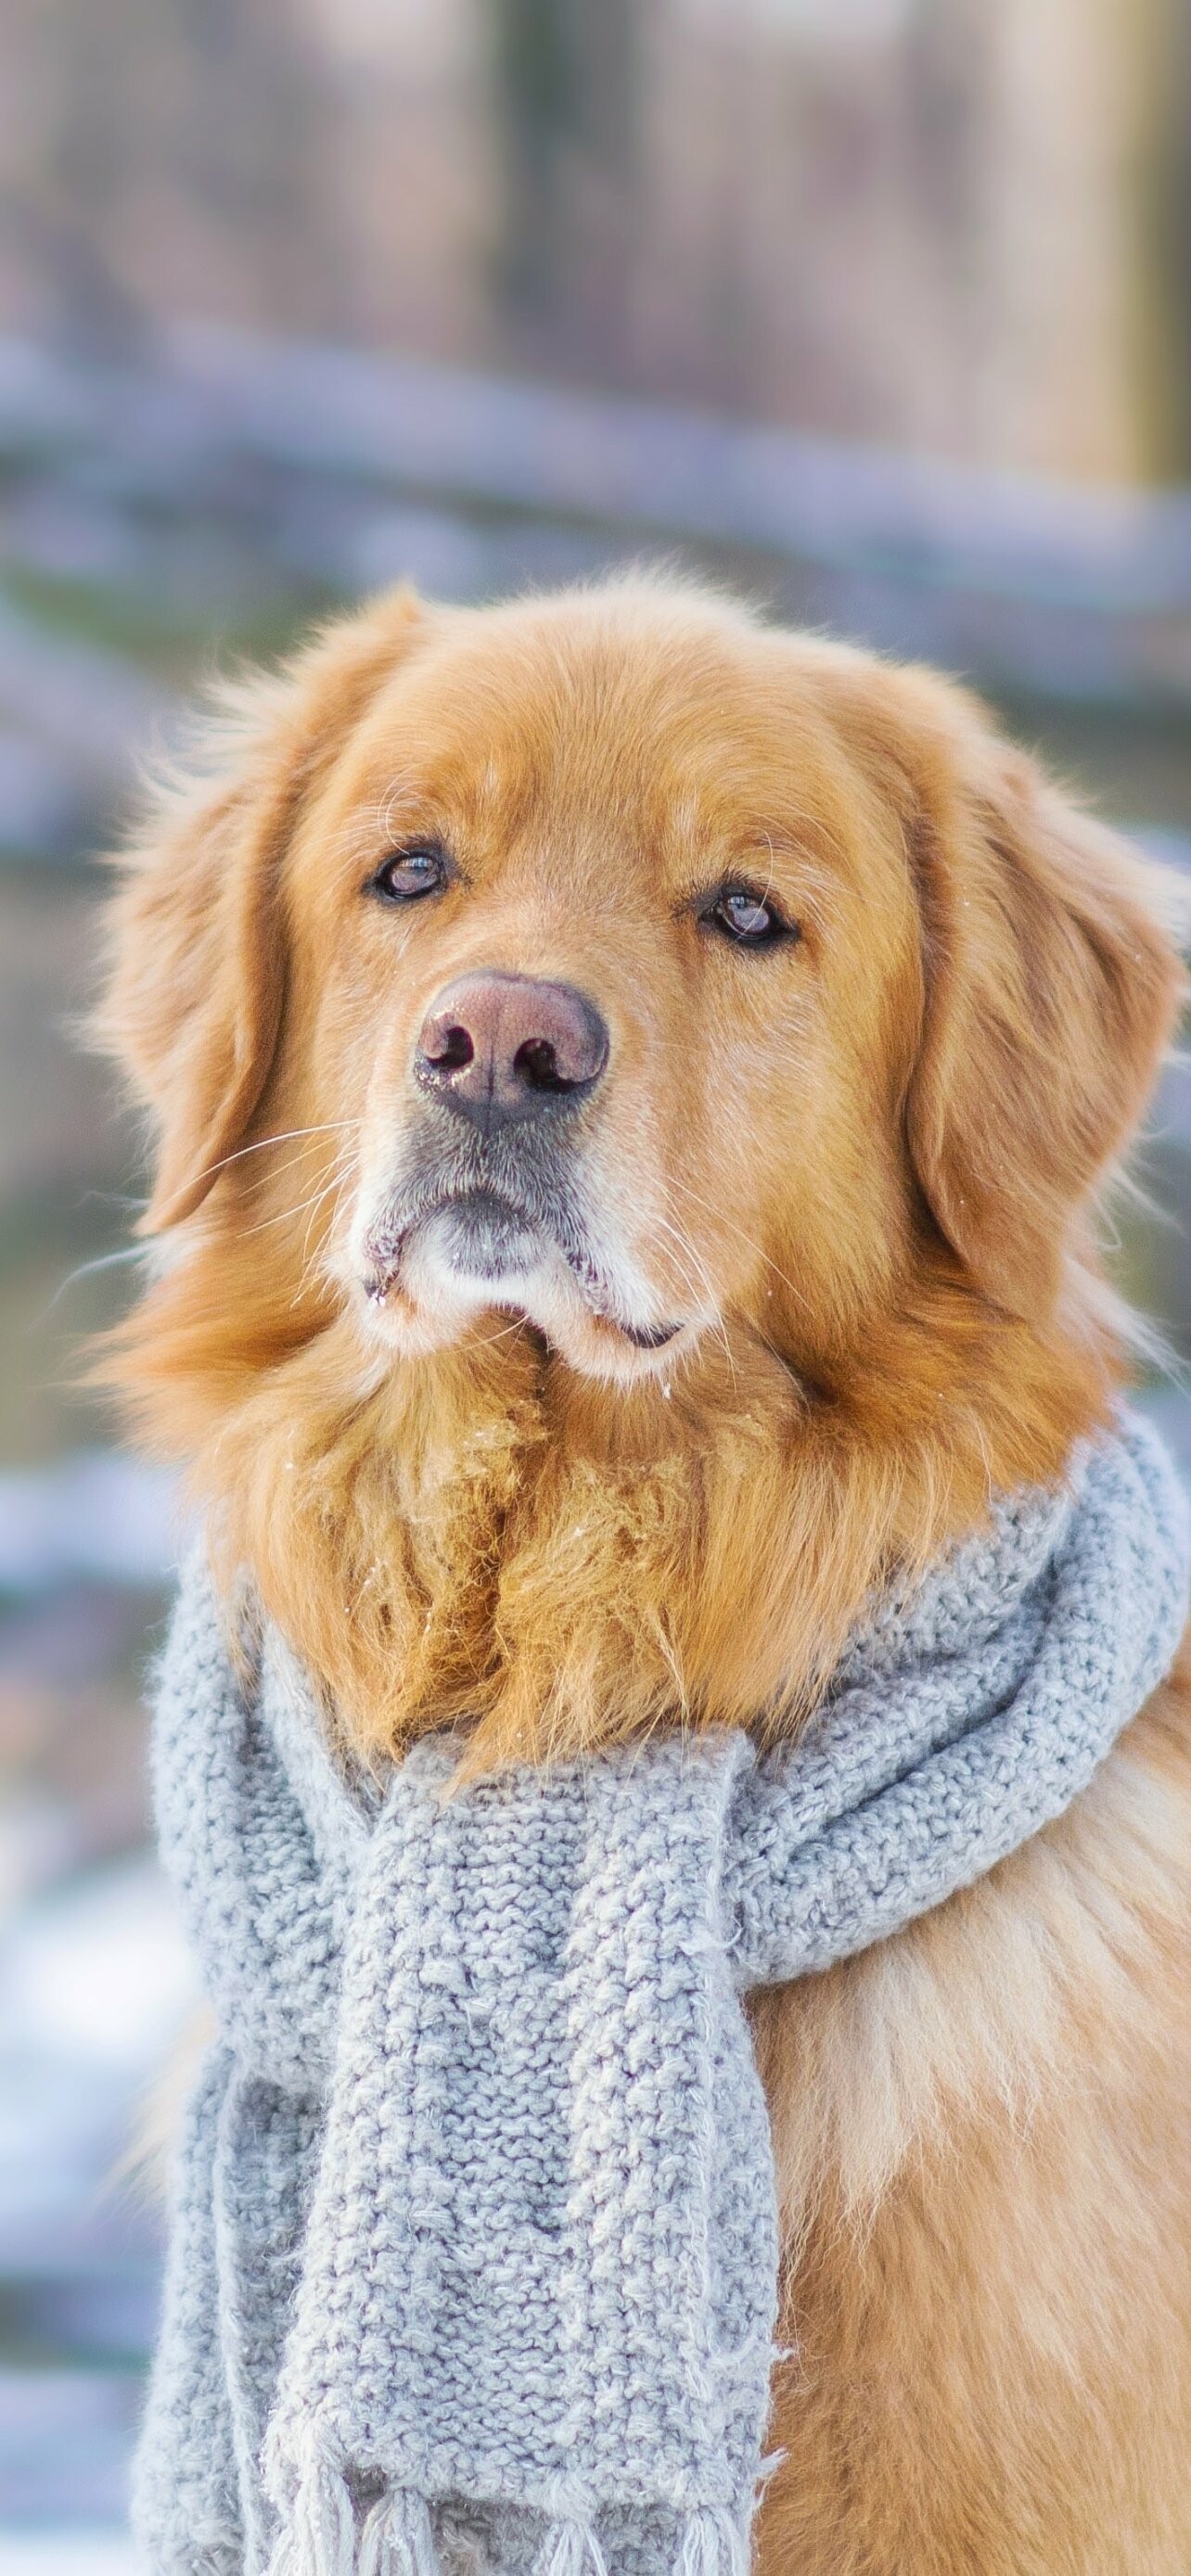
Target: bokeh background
(879,308)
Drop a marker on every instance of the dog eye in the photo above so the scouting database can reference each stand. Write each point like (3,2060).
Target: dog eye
(748,920)
(406,875)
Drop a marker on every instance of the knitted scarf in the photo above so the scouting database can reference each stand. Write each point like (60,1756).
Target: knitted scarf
(475,2248)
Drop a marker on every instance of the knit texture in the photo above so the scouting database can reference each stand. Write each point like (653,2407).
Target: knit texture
(475,2245)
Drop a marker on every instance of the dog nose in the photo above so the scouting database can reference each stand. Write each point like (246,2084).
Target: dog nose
(499,1049)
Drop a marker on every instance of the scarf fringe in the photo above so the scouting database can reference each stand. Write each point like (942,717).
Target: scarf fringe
(398,2537)
(318,2535)
(569,2548)
(714,2543)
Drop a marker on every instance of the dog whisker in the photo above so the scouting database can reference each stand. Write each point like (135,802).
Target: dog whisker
(289,1215)
(335,1188)
(287,1136)
(698,1277)
(739,1236)
(90,1269)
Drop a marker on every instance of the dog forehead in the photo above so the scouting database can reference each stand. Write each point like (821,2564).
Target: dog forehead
(667,731)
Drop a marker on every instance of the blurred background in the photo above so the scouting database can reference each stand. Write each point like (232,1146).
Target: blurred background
(879,308)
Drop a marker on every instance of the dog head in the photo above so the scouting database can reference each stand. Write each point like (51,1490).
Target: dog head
(630,968)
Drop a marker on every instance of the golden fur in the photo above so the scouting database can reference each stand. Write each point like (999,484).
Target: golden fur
(860,1172)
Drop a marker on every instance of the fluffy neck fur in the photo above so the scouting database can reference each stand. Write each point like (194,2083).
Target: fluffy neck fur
(482,1535)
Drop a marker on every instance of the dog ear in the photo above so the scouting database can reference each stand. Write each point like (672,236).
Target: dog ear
(1051,984)
(196,988)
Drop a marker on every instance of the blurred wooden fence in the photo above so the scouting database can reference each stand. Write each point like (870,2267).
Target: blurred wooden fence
(232,472)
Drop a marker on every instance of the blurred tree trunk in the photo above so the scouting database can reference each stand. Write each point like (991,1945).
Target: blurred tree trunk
(567,77)
(201,122)
(1169,203)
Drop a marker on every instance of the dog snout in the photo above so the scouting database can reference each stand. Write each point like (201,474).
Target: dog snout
(500,1049)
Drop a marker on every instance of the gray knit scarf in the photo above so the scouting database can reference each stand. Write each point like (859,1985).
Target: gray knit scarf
(475,2246)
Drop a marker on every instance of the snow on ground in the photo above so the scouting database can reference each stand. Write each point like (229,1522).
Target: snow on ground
(66,2553)
(93,1515)
(94,1986)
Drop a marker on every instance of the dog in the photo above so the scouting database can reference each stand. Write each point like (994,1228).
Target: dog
(631,1091)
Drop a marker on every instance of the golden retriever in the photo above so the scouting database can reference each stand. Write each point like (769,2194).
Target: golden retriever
(630,1089)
